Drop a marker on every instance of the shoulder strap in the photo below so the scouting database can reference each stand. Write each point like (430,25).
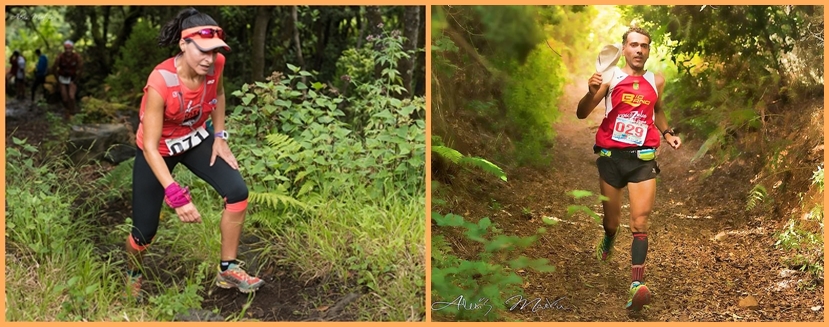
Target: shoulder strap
(171,80)
(618,76)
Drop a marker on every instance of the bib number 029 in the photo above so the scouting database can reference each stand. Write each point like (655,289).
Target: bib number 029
(187,142)
(629,131)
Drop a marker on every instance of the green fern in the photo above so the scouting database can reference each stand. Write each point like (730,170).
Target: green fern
(117,180)
(276,200)
(457,158)
(283,145)
(448,153)
(756,196)
(715,138)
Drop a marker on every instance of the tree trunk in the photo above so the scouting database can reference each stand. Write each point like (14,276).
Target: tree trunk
(362,26)
(260,32)
(296,40)
(411,25)
(420,63)
(375,20)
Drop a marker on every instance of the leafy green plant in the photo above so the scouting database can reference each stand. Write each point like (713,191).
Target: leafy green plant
(757,195)
(457,158)
(575,208)
(817,178)
(482,283)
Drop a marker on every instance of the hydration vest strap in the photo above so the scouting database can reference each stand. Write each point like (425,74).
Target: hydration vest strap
(171,79)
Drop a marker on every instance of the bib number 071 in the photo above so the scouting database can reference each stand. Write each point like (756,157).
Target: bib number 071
(187,142)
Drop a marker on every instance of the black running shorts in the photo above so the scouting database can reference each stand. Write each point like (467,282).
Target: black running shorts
(618,172)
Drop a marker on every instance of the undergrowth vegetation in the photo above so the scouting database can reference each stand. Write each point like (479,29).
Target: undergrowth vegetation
(337,195)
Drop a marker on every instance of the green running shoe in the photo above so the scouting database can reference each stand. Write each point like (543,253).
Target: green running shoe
(640,296)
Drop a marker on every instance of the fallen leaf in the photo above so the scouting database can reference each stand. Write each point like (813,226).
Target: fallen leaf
(322,308)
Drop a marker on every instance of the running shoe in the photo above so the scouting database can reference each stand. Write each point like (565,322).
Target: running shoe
(133,290)
(640,296)
(235,277)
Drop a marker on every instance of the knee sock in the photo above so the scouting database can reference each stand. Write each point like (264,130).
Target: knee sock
(638,252)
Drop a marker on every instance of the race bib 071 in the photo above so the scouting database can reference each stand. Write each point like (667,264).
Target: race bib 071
(186,142)
(629,131)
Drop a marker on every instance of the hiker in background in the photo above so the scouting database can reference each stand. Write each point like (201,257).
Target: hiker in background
(68,68)
(40,73)
(20,76)
(12,72)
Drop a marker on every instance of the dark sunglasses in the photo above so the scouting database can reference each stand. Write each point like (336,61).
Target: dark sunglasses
(207,33)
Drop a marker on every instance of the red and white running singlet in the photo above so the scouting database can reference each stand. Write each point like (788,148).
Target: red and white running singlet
(628,120)
(185,111)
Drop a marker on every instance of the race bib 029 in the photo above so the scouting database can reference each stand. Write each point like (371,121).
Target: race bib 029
(186,142)
(629,131)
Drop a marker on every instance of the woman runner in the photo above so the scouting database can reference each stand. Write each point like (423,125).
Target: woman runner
(181,93)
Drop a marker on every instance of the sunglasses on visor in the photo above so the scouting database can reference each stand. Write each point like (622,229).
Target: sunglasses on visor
(207,33)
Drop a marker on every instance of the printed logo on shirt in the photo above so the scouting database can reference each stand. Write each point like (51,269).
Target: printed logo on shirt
(634,100)
(210,81)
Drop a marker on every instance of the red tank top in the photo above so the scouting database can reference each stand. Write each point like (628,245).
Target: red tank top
(185,111)
(628,121)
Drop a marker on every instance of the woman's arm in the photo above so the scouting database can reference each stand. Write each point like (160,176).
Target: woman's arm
(218,114)
(220,147)
(152,124)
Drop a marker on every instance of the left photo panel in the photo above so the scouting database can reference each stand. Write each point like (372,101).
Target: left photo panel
(215,163)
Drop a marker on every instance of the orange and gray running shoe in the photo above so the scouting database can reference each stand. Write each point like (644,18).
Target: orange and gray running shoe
(235,277)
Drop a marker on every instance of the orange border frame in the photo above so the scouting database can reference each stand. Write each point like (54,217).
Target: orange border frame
(428,4)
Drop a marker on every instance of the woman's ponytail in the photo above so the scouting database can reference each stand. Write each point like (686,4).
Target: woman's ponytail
(171,32)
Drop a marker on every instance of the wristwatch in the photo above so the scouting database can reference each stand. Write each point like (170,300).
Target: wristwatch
(222,135)
(669,131)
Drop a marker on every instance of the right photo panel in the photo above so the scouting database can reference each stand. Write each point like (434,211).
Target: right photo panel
(627,163)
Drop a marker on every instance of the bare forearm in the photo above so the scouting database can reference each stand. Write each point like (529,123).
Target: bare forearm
(585,107)
(660,120)
(158,166)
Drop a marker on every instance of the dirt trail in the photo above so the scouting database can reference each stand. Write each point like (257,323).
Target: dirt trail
(692,277)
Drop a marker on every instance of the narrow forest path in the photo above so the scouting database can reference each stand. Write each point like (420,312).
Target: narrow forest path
(693,275)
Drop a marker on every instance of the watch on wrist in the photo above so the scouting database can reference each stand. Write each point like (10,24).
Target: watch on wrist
(668,131)
(222,135)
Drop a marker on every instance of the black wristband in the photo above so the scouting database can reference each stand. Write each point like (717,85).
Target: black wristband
(668,131)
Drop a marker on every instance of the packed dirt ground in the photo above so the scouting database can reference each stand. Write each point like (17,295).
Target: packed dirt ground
(706,253)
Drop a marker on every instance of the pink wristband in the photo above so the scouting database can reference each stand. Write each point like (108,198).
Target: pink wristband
(176,196)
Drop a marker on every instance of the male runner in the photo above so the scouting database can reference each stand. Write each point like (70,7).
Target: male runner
(626,143)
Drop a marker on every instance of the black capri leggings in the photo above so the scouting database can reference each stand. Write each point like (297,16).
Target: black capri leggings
(148,194)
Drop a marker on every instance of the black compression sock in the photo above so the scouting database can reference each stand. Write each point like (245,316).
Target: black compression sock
(638,252)
(226,264)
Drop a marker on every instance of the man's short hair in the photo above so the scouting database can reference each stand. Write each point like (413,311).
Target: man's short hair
(637,30)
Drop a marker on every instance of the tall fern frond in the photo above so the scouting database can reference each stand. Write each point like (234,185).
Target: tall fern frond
(485,166)
(447,153)
(459,159)
(277,201)
(283,145)
(714,139)
(756,196)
